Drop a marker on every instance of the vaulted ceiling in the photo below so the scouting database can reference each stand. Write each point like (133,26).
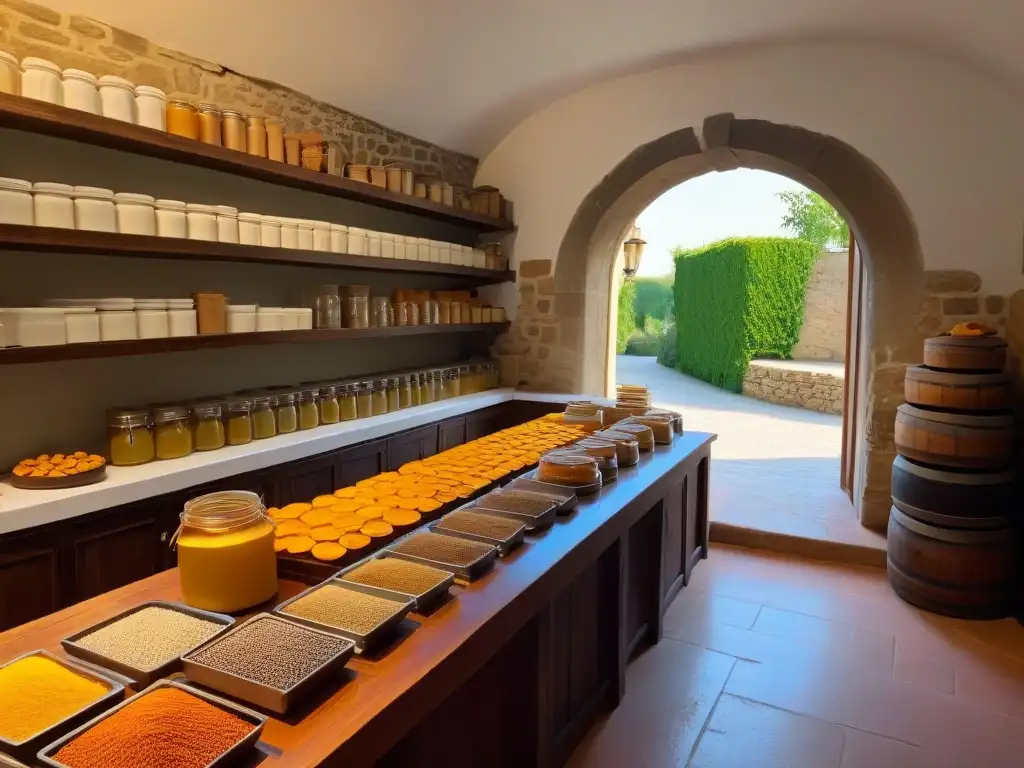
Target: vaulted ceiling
(462,73)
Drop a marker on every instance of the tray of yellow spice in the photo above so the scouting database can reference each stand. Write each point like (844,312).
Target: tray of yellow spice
(58,470)
(43,697)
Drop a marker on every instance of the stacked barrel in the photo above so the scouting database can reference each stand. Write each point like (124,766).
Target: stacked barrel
(951,542)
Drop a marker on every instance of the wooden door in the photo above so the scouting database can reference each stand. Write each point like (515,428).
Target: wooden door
(855,289)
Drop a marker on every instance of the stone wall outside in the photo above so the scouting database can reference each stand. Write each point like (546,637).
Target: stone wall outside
(28,29)
(802,389)
(823,334)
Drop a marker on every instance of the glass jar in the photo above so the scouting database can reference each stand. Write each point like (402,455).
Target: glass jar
(238,421)
(309,413)
(452,384)
(130,437)
(275,139)
(414,313)
(287,413)
(210,124)
(444,311)
(401,313)
(182,119)
(172,432)
(379,401)
(440,386)
(264,423)
(381,315)
(207,428)
(256,136)
(364,400)
(416,393)
(455,313)
(233,128)
(404,391)
(357,306)
(226,559)
(330,412)
(428,388)
(327,307)
(347,401)
(391,387)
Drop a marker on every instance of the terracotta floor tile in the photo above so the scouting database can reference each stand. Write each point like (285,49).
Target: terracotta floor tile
(747,734)
(865,750)
(717,608)
(937,675)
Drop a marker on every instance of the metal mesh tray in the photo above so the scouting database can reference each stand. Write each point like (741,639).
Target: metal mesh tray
(470,572)
(566,497)
(422,602)
(27,749)
(579,490)
(368,641)
(532,522)
(505,546)
(46,755)
(142,677)
(266,696)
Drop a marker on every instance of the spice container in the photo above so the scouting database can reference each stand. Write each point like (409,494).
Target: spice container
(387,246)
(135,214)
(504,533)
(237,421)
(275,138)
(309,413)
(447,194)
(379,397)
(52,206)
(117,324)
(380,312)
(210,124)
(81,325)
(182,322)
(430,312)
(227,223)
(399,246)
(270,232)
(172,431)
(16,201)
(207,427)
(480,259)
(256,136)
(357,306)
(289,320)
(287,413)
(327,307)
(292,150)
(248,228)
(151,107)
(339,238)
(434,192)
(233,129)
(269,319)
(401,312)
(10,74)
(357,241)
(152,323)
(373,243)
(40,80)
(130,437)
(394,178)
(33,326)
(347,401)
(211,313)
(330,412)
(304,318)
(364,400)
(305,232)
(241,318)
(289,233)
(391,390)
(226,559)
(404,391)
(422,249)
(424,584)
(464,558)
(321,236)
(117,97)
(201,221)
(419,189)
(79,91)
(182,119)
(170,218)
(94,209)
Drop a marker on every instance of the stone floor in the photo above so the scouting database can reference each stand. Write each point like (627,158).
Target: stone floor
(775,469)
(770,661)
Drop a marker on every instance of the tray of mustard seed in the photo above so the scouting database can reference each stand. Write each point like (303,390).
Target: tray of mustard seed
(366,615)
(469,560)
(146,642)
(565,496)
(504,533)
(425,585)
(534,511)
(268,661)
(151,722)
(43,697)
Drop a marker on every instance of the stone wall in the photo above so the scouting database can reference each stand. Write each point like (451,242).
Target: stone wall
(28,29)
(812,390)
(823,335)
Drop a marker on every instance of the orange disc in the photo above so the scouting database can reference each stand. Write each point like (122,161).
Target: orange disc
(445,496)
(342,506)
(388,501)
(406,493)
(282,544)
(345,493)
(324,501)
(428,505)
(384,489)
(367,483)
(318,516)
(291,527)
(300,544)
(465,491)
(328,550)
(377,529)
(399,517)
(354,540)
(325,533)
(412,503)
(372,513)
(412,468)
(388,476)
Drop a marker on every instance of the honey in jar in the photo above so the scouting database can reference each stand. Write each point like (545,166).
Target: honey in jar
(364,400)
(182,119)
(347,402)
(130,437)
(394,399)
(207,428)
(172,432)
(287,413)
(379,400)
(309,414)
(330,411)
(264,424)
(238,421)
(209,124)
(404,392)
(415,393)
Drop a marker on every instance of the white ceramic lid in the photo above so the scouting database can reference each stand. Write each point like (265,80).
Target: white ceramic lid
(149,90)
(71,303)
(226,210)
(132,197)
(321,224)
(115,305)
(33,62)
(372,233)
(241,308)
(250,217)
(304,224)
(117,82)
(270,220)
(339,228)
(269,310)
(79,74)
(356,231)
(77,310)
(34,310)
(53,188)
(151,303)
(180,303)
(201,208)
(19,184)
(288,222)
(170,205)
(94,193)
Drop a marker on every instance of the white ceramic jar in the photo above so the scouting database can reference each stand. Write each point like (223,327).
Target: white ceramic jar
(227,223)
(16,202)
(151,107)
(479,258)
(435,251)
(181,322)
(10,74)
(249,228)
(357,241)
(241,318)
(289,319)
(400,247)
(94,210)
(152,323)
(339,238)
(387,246)
(270,232)
(136,214)
(81,325)
(458,256)
(118,325)
(372,243)
(33,326)
(117,96)
(305,235)
(422,249)
(290,233)
(40,79)
(321,236)
(304,317)
(170,219)
(202,222)
(52,206)
(269,319)
(79,91)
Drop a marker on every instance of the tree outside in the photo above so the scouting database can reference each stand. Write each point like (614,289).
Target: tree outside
(810,217)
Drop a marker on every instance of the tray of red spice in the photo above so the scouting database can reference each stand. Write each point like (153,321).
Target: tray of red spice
(145,732)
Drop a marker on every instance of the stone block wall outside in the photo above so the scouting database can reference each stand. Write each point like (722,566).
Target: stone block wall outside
(810,390)
(823,334)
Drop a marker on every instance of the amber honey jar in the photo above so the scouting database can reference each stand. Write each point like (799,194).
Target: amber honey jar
(183,119)
(233,130)
(209,124)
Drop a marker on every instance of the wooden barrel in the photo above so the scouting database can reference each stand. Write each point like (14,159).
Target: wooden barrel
(954,439)
(957,391)
(953,499)
(967,574)
(965,353)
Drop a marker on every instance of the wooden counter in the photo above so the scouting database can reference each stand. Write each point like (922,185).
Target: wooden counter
(516,668)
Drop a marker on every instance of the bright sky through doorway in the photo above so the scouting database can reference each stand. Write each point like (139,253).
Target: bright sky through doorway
(736,203)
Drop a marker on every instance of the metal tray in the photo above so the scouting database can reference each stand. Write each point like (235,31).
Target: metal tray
(565,495)
(142,677)
(373,639)
(246,742)
(10,762)
(505,546)
(579,490)
(259,694)
(422,602)
(532,522)
(27,749)
(470,572)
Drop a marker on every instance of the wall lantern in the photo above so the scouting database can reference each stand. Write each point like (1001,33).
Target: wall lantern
(633,249)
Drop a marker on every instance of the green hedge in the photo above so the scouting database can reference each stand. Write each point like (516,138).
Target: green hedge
(736,300)
(626,319)
(653,299)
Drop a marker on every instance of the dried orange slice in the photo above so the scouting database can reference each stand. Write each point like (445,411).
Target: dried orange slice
(343,506)
(328,551)
(372,513)
(428,505)
(280,545)
(445,496)
(345,493)
(384,489)
(291,527)
(366,499)
(465,491)
(412,468)
(387,501)
(388,476)
(406,493)
(319,516)
(324,501)
(292,511)
(367,483)
(325,533)
(299,544)
(377,529)
(348,520)
(412,503)
(354,540)
(399,517)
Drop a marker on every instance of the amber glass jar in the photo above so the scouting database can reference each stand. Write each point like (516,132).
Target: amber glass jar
(172,432)
(207,428)
(183,119)
(264,423)
(233,129)
(256,136)
(415,393)
(379,400)
(330,411)
(209,124)
(404,391)
(364,399)
(309,412)
(130,437)
(347,401)
(427,392)
(287,413)
(238,421)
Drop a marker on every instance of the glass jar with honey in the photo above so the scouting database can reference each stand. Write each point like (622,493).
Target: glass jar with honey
(172,431)
(309,412)
(287,413)
(347,401)
(238,421)
(207,428)
(404,391)
(182,119)
(233,130)
(364,399)
(130,437)
(415,392)
(330,411)
(451,385)
(264,423)
(209,124)
(379,399)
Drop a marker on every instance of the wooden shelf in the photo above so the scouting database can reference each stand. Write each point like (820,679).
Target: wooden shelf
(15,237)
(21,355)
(40,117)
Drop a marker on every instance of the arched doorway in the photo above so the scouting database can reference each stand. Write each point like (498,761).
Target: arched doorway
(892,265)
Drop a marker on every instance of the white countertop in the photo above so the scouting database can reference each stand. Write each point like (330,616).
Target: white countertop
(20,509)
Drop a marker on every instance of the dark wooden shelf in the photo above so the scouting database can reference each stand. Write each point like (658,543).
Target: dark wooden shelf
(21,355)
(40,117)
(14,237)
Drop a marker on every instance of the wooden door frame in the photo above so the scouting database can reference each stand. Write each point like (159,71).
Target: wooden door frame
(854,305)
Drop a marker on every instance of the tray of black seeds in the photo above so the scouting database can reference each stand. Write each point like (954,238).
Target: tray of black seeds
(268,661)
(146,642)
(424,584)
(565,496)
(504,533)
(468,559)
(365,615)
(532,510)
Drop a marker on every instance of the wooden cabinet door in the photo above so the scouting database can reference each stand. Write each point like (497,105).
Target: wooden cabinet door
(29,579)
(413,445)
(303,480)
(360,462)
(486,422)
(452,433)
